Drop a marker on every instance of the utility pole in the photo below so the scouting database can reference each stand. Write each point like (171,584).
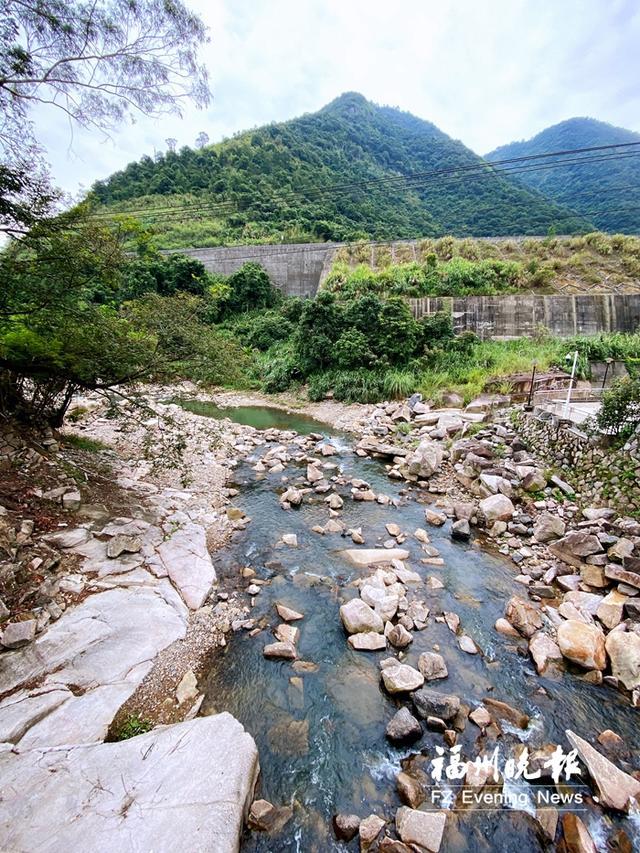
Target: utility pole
(565,414)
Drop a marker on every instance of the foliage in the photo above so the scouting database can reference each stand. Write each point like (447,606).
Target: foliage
(133,725)
(252,188)
(54,339)
(248,289)
(619,414)
(600,190)
(97,63)
(165,275)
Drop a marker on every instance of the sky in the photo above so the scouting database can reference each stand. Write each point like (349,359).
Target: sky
(487,72)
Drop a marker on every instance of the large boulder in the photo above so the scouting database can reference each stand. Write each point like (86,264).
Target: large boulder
(185,558)
(401,678)
(544,651)
(421,830)
(403,727)
(358,617)
(496,508)
(424,461)
(575,546)
(432,703)
(616,789)
(623,647)
(582,644)
(548,527)
(180,787)
(524,617)
(373,556)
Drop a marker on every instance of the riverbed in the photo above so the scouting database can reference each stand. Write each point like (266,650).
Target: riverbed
(321,730)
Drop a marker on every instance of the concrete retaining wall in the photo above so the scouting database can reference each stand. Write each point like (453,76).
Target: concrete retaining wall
(523,315)
(296,269)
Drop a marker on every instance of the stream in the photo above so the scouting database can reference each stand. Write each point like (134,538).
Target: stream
(321,734)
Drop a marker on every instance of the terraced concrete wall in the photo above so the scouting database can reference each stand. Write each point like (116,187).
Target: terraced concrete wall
(522,316)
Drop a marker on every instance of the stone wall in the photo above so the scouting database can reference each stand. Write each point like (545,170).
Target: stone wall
(523,315)
(599,474)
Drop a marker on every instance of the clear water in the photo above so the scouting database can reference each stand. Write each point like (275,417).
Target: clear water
(260,417)
(321,736)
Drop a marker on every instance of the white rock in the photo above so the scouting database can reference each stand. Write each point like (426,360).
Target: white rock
(179,787)
(187,562)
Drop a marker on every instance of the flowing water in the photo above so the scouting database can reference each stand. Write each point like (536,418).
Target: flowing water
(321,734)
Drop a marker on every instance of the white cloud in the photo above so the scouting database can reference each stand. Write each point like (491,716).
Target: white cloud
(486,73)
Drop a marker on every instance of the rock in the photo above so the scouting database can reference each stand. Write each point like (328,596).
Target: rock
(287,634)
(431,703)
(367,641)
(187,690)
(165,790)
(265,817)
(496,508)
(290,539)
(399,637)
(621,549)
(292,496)
(432,666)
(616,789)
(574,546)
(369,830)
(403,726)
(422,829)
(524,617)
(314,474)
(575,836)
(18,634)
(467,645)
(617,573)
(461,530)
(121,544)
(410,790)
(287,614)
(434,517)
(502,711)
(548,527)
(345,826)
(284,651)
(401,678)
(358,617)
(547,817)
(504,627)
(72,499)
(425,460)
(611,609)
(373,556)
(623,647)
(69,538)
(612,742)
(544,651)
(335,502)
(534,481)
(186,560)
(481,717)
(582,644)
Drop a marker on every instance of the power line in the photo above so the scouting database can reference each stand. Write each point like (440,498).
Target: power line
(481,170)
(342,187)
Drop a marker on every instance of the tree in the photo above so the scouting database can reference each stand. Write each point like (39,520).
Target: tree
(98,62)
(619,413)
(171,143)
(54,339)
(202,139)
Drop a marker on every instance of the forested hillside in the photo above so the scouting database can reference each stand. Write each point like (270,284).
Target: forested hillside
(263,185)
(604,191)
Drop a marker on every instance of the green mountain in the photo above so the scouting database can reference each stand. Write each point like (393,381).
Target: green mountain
(604,191)
(330,175)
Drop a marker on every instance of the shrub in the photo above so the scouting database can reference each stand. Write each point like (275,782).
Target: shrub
(352,350)
(619,414)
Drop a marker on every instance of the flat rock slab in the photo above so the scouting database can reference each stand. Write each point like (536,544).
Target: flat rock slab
(180,787)
(373,556)
(68,685)
(188,564)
